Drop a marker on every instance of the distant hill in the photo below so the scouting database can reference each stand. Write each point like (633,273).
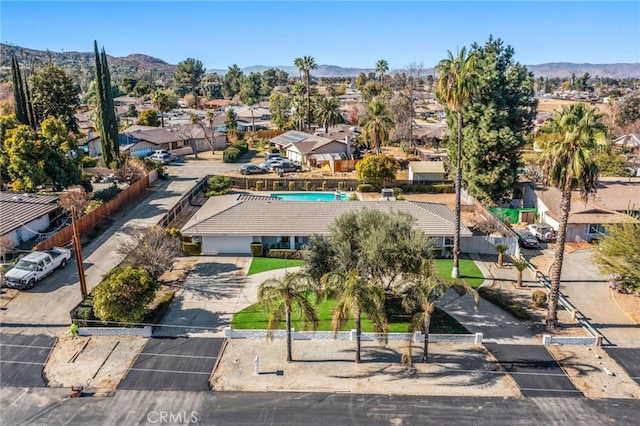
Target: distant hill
(137,62)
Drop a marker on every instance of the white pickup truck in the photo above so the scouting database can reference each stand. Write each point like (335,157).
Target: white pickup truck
(35,266)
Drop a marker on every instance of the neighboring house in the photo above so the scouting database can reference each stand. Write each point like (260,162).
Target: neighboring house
(426,171)
(91,145)
(216,104)
(142,140)
(261,118)
(229,224)
(301,147)
(24,216)
(587,221)
(629,142)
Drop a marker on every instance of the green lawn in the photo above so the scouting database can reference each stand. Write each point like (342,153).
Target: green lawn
(255,318)
(263,264)
(468,271)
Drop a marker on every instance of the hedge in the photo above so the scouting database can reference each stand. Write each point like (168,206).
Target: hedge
(284,253)
(504,303)
(365,187)
(192,249)
(231,154)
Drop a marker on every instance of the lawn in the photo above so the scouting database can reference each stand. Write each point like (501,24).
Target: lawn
(254,317)
(468,271)
(263,264)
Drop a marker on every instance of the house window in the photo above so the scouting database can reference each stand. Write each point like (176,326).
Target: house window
(448,241)
(596,229)
(200,143)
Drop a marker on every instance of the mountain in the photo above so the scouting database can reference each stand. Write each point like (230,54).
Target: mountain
(140,62)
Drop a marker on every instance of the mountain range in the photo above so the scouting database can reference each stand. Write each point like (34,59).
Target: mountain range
(141,61)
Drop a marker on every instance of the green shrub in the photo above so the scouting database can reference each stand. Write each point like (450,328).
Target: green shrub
(259,185)
(341,186)
(231,154)
(93,204)
(219,185)
(192,249)
(241,146)
(155,315)
(89,162)
(284,253)
(443,188)
(307,186)
(256,249)
(324,185)
(353,197)
(276,186)
(175,232)
(503,302)
(365,187)
(107,194)
(292,186)
(538,298)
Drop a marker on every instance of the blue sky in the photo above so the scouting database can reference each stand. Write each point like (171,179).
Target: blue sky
(348,34)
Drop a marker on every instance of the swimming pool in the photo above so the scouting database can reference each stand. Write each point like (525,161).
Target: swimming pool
(309,196)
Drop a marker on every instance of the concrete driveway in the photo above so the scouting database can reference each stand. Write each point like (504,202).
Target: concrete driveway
(588,290)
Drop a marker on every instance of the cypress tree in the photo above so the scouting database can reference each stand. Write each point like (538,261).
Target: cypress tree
(18,92)
(111,119)
(100,110)
(30,109)
(106,121)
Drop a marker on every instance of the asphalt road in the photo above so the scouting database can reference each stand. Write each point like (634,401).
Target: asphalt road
(178,364)
(22,359)
(628,359)
(534,370)
(53,406)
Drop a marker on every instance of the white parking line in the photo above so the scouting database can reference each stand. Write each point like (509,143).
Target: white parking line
(180,356)
(21,362)
(25,346)
(170,371)
(551,390)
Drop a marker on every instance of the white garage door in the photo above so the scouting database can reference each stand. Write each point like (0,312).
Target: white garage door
(224,245)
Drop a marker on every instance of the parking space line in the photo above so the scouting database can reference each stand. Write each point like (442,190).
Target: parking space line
(21,362)
(171,371)
(551,390)
(24,346)
(179,356)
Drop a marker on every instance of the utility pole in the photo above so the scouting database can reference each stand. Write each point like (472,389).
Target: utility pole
(78,248)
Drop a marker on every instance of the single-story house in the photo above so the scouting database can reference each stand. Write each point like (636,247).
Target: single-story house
(587,222)
(426,171)
(216,104)
(300,146)
(261,118)
(24,216)
(229,224)
(141,140)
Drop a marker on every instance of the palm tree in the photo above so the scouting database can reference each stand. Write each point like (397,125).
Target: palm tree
(456,83)
(501,249)
(382,67)
(355,296)
(305,65)
(571,144)
(163,101)
(520,266)
(376,124)
(282,295)
(327,112)
(422,291)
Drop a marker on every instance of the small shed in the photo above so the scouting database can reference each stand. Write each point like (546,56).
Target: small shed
(426,171)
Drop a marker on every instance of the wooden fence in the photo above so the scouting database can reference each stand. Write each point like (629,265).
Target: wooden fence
(90,220)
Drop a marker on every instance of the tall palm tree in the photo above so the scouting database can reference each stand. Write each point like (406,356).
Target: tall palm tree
(305,65)
(381,68)
(327,112)
(376,124)
(456,84)
(422,292)
(355,296)
(571,144)
(164,101)
(282,295)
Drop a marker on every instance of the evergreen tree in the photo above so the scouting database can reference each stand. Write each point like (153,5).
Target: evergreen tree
(53,94)
(500,113)
(106,119)
(18,92)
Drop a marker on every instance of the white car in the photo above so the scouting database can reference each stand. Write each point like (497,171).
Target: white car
(542,231)
(161,158)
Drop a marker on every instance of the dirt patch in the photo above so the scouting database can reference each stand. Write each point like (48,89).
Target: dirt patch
(96,362)
(328,366)
(179,270)
(629,303)
(594,373)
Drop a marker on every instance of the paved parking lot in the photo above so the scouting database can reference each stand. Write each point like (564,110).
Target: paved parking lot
(22,359)
(178,364)
(628,359)
(534,370)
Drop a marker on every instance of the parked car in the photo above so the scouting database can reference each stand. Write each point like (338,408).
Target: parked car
(251,169)
(287,166)
(273,156)
(526,239)
(542,231)
(161,158)
(35,266)
(268,165)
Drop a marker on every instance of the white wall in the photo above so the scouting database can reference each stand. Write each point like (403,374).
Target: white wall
(29,230)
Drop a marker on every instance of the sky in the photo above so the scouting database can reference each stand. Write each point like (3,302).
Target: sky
(347,34)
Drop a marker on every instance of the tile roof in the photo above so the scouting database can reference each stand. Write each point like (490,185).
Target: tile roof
(19,209)
(271,218)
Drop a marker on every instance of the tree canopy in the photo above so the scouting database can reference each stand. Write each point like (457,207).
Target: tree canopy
(54,94)
(188,76)
(618,256)
(124,295)
(377,169)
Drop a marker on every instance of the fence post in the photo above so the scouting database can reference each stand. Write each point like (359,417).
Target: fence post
(546,339)
(478,338)
(354,335)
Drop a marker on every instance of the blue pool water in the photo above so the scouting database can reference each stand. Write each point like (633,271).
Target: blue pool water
(309,196)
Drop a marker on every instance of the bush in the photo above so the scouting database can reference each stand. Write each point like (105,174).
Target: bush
(155,315)
(256,249)
(538,298)
(276,186)
(88,162)
(292,186)
(284,253)
(93,204)
(259,185)
(365,187)
(231,154)
(324,185)
(107,194)
(219,185)
(307,186)
(341,186)
(192,249)
(241,146)
(503,302)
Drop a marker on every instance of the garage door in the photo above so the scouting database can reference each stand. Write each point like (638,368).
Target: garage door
(224,245)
